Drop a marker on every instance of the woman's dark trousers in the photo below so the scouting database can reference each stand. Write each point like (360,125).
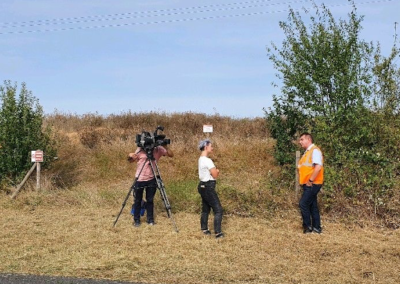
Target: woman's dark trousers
(151,188)
(210,200)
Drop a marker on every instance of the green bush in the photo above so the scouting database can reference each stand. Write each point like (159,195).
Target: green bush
(21,131)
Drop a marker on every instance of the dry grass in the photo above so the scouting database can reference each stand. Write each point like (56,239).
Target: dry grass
(66,228)
(78,240)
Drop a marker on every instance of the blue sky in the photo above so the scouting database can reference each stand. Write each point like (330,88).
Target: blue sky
(171,56)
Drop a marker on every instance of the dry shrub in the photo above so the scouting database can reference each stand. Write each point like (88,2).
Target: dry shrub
(67,171)
(68,122)
(393,210)
(360,212)
(91,136)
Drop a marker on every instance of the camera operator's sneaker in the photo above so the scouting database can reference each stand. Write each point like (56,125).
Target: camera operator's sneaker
(136,223)
(206,232)
(307,230)
(219,235)
(317,230)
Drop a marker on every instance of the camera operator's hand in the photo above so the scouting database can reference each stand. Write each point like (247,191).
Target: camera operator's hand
(169,151)
(132,157)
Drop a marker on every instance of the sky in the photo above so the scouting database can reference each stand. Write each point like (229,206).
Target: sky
(113,57)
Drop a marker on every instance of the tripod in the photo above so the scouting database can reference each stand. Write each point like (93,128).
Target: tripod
(160,185)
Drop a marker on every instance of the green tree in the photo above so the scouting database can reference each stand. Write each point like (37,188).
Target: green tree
(326,78)
(340,88)
(21,131)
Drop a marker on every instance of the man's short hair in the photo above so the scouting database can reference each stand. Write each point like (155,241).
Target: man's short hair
(204,143)
(308,135)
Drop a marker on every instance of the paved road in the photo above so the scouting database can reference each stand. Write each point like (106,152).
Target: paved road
(35,279)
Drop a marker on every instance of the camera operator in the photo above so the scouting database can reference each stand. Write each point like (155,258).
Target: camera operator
(146,180)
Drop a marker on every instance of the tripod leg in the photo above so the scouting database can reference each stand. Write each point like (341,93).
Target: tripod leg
(161,187)
(123,205)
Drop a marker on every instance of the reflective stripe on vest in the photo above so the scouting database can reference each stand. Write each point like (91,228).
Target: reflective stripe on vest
(306,168)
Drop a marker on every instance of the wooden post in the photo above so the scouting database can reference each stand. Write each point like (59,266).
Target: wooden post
(37,175)
(297,185)
(23,181)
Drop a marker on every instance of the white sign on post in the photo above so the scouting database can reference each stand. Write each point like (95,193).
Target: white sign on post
(207,128)
(37,156)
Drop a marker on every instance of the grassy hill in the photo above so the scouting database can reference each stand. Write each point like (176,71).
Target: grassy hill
(66,227)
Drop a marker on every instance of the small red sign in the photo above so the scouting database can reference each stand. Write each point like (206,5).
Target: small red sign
(37,156)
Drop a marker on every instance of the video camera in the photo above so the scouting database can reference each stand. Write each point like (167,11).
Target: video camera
(148,141)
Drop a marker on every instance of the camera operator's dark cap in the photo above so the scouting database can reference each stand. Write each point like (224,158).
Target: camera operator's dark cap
(204,143)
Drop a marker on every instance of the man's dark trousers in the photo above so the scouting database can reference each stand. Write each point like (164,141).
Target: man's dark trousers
(309,206)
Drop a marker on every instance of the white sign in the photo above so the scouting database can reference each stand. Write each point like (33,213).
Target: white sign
(37,156)
(207,128)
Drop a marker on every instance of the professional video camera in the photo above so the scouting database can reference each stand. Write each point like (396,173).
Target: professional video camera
(148,141)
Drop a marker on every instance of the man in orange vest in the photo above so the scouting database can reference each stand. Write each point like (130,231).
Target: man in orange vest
(311,173)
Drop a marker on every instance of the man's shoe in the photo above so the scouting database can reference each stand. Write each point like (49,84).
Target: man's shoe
(206,232)
(317,230)
(150,223)
(219,236)
(136,223)
(307,230)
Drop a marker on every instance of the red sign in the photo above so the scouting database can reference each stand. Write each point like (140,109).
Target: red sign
(37,156)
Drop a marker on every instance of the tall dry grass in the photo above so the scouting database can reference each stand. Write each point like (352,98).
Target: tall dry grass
(66,228)
(93,150)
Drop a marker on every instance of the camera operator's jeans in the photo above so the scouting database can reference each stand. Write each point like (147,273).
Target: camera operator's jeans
(309,206)
(151,188)
(210,200)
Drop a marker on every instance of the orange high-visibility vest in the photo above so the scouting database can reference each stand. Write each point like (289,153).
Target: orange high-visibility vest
(306,168)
